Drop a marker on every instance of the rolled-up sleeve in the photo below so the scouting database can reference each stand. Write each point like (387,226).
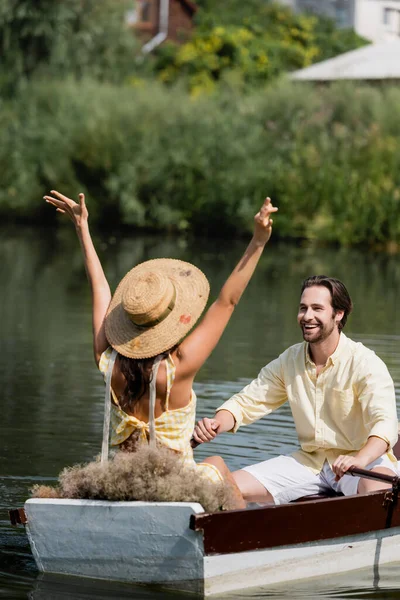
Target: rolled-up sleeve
(378,401)
(262,396)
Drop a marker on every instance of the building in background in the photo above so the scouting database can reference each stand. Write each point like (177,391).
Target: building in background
(375,62)
(159,20)
(376,20)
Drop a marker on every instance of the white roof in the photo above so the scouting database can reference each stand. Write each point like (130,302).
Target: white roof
(376,61)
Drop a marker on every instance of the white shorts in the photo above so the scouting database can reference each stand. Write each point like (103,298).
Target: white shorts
(286,479)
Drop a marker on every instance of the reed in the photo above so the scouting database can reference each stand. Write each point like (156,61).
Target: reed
(149,474)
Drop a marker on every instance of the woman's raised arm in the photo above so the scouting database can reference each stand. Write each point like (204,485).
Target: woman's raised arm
(101,294)
(199,344)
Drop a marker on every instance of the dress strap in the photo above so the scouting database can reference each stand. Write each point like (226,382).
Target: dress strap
(152,400)
(107,407)
(171,368)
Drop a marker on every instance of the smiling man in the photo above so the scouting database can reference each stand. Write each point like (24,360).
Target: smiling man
(342,400)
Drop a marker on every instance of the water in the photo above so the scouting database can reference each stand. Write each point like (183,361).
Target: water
(51,392)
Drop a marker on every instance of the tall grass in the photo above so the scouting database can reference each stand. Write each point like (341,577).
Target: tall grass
(152,157)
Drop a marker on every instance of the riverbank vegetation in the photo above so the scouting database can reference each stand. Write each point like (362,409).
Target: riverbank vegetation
(199,150)
(151,157)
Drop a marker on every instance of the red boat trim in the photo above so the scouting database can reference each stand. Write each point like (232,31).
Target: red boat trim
(298,523)
(17,516)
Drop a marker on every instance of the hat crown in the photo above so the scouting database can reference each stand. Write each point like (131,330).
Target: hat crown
(154,306)
(149,298)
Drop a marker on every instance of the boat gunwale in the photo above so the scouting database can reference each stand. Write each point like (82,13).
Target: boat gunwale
(274,526)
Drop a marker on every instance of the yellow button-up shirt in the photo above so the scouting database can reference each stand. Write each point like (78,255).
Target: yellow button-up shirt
(350,400)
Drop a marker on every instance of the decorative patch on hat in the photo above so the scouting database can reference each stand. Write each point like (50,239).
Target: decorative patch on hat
(185,273)
(185,319)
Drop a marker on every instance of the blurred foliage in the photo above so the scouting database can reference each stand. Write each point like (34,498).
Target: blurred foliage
(254,56)
(250,42)
(332,40)
(64,38)
(152,157)
(278,20)
(79,113)
(255,40)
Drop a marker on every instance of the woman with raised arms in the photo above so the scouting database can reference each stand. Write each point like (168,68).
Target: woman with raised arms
(147,328)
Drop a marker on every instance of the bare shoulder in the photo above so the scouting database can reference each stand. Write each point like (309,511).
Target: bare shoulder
(177,355)
(183,372)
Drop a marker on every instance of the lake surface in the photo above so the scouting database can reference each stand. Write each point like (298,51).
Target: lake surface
(51,392)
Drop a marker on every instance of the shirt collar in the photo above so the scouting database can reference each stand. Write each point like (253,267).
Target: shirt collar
(333,357)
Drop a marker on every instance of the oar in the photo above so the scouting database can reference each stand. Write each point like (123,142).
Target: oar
(356,472)
(391,498)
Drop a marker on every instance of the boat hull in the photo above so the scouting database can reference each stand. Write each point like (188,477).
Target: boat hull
(260,568)
(135,542)
(176,545)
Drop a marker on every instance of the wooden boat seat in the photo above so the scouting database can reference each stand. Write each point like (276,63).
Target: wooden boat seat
(331,494)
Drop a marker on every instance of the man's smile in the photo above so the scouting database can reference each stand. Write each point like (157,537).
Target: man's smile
(310,326)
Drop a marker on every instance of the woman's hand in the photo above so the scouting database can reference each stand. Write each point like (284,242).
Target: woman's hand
(263,222)
(77,212)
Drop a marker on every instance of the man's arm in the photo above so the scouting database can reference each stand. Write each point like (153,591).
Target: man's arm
(373,449)
(378,401)
(259,398)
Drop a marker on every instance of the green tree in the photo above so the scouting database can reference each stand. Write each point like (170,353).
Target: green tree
(64,37)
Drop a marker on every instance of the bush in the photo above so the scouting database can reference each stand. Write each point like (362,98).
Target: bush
(210,54)
(257,40)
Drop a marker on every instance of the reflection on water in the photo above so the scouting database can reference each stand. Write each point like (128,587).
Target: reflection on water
(357,584)
(51,392)
(56,587)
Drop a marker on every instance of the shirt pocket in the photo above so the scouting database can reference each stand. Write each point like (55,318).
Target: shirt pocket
(343,402)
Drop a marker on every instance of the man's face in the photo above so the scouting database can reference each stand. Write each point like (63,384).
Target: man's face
(316,317)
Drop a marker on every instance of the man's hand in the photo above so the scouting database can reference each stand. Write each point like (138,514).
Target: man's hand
(344,462)
(77,212)
(373,449)
(205,430)
(263,222)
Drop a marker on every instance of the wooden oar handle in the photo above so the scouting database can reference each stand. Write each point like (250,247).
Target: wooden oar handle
(356,472)
(194,444)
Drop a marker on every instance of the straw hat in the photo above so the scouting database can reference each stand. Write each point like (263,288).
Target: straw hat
(154,307)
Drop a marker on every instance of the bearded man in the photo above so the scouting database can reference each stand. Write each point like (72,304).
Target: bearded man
(343,404)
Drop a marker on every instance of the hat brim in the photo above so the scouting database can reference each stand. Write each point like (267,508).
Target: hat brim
(133,341)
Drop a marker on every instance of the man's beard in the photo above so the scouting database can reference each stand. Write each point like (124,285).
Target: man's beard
(323,332)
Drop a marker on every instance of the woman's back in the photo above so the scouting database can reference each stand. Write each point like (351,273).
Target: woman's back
(173,389)
(173,424)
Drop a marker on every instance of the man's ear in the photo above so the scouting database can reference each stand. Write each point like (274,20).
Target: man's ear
(339,316)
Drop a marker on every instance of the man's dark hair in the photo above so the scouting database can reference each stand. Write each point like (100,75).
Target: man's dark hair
(340,296)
